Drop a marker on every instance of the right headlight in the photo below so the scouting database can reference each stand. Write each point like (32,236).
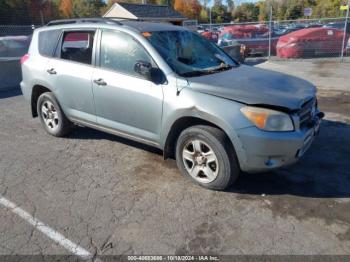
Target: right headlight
(268,119)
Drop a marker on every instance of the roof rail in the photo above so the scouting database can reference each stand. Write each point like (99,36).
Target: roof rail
(116,18)
(83,20)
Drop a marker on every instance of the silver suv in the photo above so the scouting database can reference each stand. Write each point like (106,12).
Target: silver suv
(168,87)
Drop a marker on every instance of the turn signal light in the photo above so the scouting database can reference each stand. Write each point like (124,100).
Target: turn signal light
(24,58)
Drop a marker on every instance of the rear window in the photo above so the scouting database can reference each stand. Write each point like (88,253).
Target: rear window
(77,46)
(48,41)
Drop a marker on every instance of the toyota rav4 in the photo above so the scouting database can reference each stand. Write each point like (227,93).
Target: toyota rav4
(170,88)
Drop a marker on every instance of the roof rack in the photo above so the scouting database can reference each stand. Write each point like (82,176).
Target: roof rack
(114,18)
(83,20)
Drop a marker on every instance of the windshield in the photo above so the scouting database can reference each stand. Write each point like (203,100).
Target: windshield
(189,54)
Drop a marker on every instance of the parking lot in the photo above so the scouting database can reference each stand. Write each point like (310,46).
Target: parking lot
(108,195)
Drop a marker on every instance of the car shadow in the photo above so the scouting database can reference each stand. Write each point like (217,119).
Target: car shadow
(324,172)
(92,134)
(10,93)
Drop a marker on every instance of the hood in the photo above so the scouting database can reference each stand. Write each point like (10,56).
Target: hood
(256,86)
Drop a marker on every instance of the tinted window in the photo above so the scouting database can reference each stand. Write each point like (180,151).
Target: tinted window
(77,46)
(48,42)
(120,52)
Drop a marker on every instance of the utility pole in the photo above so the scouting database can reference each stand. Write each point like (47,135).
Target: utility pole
(345,32)
(270,32)
(210,18)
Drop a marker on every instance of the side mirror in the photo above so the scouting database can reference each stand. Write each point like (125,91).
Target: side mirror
(143,68)
(157,76)
(153,74)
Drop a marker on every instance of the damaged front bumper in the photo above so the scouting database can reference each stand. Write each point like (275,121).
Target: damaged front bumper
(269,150)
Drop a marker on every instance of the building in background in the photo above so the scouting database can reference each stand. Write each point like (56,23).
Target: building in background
(146,12)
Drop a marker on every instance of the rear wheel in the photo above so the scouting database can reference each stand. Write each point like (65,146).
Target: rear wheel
(204,155)
(52,117)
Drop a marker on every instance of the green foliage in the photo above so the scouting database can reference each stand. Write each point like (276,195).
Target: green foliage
(203,16)
(87,8)
(246,12)
(294,9)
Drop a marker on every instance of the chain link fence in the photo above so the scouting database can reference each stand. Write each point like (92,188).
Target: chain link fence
(289,39)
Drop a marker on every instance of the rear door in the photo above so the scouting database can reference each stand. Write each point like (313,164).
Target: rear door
(70,72)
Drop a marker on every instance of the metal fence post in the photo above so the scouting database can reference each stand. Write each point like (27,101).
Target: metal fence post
(270,32)
(345,32)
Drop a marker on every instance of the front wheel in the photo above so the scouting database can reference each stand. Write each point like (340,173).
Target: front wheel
(204,155)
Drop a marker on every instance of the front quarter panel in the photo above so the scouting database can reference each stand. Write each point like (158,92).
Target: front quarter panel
(223,113)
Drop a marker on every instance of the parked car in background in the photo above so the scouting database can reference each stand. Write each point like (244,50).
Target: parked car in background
(311,42)
(338,25)
(245,31)
(233,48)
(254,46)
(14,46)
(200,29)
(211,36)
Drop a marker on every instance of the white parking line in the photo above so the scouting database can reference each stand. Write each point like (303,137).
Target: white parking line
(49,232)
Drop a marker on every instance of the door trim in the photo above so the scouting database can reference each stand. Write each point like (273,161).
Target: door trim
(114,132)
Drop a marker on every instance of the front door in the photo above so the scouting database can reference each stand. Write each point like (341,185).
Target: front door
(125,100)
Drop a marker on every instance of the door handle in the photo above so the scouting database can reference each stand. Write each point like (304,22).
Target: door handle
(52,71)
(100,82)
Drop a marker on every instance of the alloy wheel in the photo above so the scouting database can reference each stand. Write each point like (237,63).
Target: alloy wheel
(200,161)
(50,115)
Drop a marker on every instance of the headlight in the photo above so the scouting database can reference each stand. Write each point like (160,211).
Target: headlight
(267,119)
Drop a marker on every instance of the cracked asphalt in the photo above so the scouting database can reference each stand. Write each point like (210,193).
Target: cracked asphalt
(113,196)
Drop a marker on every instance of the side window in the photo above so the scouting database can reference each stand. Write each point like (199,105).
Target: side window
(77,46)
(48,42)
(120,52)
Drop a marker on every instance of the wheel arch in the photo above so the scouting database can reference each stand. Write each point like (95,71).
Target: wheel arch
(37,91)
(183,123)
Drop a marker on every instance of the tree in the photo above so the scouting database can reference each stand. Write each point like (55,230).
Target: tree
(204,17)
(247,12)
(220,12)
(66,8)
(188,8)
(87,8)
(230,6)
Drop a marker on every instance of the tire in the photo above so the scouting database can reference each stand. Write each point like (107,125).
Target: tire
(52,117)
(224,168)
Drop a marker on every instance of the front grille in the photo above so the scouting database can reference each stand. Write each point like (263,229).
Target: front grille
(306,112)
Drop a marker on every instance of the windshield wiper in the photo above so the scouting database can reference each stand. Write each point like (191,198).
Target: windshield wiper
(222,67)
(194,73)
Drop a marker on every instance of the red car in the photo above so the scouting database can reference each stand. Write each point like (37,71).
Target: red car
(211,36)
(311,42)
(255,46)
(246,31)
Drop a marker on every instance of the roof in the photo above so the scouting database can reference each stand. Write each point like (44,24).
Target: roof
(151,11)
(152,27)
(306,31)
(310,32)
(139,26)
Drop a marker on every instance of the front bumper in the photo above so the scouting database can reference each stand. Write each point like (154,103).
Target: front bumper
(269,150)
